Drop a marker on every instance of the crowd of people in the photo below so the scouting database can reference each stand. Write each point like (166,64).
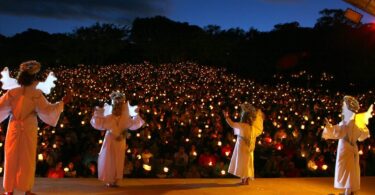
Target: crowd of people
(185,134)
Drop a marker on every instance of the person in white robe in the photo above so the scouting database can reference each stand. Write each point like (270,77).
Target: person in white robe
(247,130)
(115,120)
(350,130)
(23,102)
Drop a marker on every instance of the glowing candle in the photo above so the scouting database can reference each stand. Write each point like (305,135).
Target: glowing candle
(146,167)
(66,169)
(166,169)
(325,167)
(40,157)
(222,172)
(100,141)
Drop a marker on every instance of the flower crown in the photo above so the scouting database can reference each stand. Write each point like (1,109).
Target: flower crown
(32,67)
(351,103)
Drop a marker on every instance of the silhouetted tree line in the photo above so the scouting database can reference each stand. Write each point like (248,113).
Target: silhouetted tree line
(334,44)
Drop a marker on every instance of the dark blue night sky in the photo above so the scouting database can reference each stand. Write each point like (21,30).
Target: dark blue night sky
(64,16)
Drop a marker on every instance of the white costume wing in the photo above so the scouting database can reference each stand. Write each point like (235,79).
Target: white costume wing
(48,84)
(107,109)
(8,82)
(132,109)
(361,119)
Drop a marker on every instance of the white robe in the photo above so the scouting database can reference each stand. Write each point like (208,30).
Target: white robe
(242,162)
(347,170)
(112,154)
(23,105)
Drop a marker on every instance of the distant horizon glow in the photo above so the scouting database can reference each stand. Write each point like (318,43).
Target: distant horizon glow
(261,15)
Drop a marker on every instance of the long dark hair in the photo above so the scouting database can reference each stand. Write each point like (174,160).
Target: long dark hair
(25,79)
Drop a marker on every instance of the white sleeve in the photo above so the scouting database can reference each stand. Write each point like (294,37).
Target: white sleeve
(47,112)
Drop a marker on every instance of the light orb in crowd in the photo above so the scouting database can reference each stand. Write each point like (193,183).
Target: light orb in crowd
(360,152)
(82,122)
(54,146)
(147,167)
(194,153)
(40,157)
(325,167)
(139,157)
(138,134)
(100,141)
(129,151)
(166,169)
(149,136)
(62,125)
(1,169)
(66,169)
(227,153)
(234,140)
(222,172)
(210,163)
(187,139)
(219,143)
(1,144)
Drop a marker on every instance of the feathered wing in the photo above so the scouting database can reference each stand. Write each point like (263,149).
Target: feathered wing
(48,84)
(132,109)
(107,109)
(258,123)
(361,119)
(8,82)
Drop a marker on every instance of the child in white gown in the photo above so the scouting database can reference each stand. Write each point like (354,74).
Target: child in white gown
(350,130)
(250,127)
(115,120)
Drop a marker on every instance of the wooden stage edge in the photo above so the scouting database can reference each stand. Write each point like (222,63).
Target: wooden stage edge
(260,186)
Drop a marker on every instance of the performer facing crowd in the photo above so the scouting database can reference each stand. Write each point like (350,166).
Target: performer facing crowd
(348,131)
(23,104)
(116,119)
(249,127)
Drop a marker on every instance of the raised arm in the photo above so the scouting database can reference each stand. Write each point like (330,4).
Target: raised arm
(229,121)
(333,131)
(98,120)
(47,112)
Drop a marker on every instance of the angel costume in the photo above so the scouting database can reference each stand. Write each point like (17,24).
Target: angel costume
(23,104)
(242,162)
(352,128)
(112,154)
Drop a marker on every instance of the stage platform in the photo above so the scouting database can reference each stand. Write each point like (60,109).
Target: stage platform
(260,186)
